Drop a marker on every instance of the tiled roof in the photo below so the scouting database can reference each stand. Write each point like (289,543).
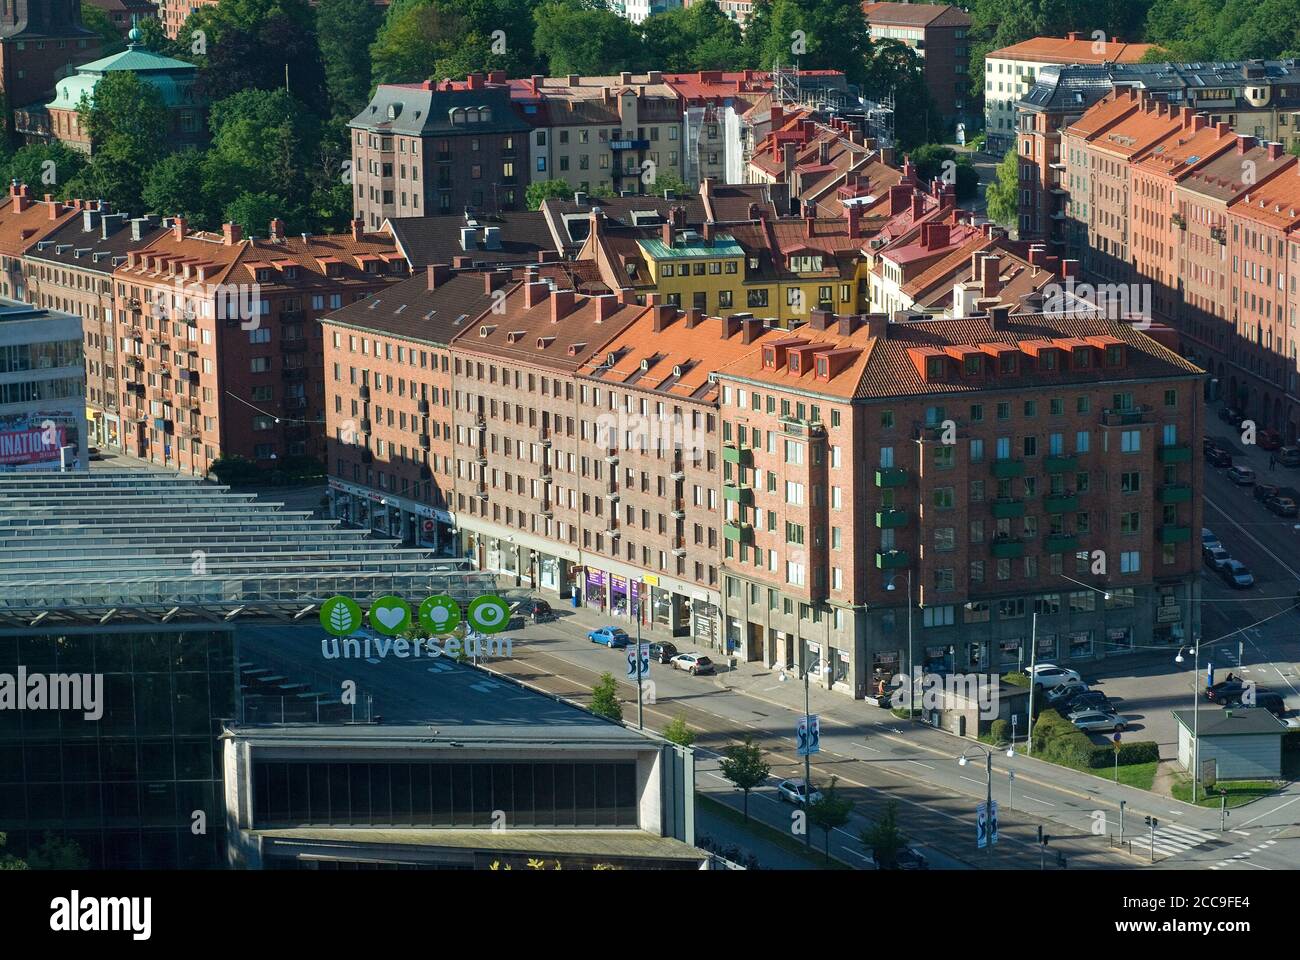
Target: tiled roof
(76,247)
(1220,178)
(1138,132)
(1177,158)
(728,202)
(425,240)
(569,222)
(1067,50)
(22,230)
(412,311)
(916,15)
(1275,203)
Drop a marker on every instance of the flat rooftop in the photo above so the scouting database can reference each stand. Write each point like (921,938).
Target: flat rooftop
(154,546)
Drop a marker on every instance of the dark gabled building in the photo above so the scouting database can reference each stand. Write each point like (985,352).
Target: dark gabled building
(475,241)
(420,149)
(40,41)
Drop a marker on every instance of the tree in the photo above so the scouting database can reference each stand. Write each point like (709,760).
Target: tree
(9,861)
(604,698)
(576,36)
(743,765)
(441,39)
(678,732)
(883,840)
(57,853)
(830,812)
(542,190)
(666,180)
(110,39)
(45,167)
(698,37)
(127,123)
(895,70)
(935,161)
(818,34)
(153,37)
(345,30)
(174,187)
(1003,194)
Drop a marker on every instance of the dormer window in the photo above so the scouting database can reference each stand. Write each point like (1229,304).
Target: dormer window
(291,273)
(1048,359)
(973,365)
(1007,363)
(823,368)
(1081,358)
(1115,355)
(934,368)
(794,362)
(263,275)
(769,358)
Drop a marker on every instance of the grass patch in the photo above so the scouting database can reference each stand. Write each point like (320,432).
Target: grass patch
(1240,792)
(761,831)
(1140,775)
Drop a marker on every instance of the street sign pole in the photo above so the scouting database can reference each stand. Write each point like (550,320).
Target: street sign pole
(1011,789)
(1223,811)
(1122,805)
(1033,659)
(640,709)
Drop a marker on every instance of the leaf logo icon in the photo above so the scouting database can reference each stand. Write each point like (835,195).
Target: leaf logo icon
(341,617)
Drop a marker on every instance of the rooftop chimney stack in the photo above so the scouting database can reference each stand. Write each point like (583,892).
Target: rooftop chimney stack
(562,304)
(438,274)
(231,233)
(277,230)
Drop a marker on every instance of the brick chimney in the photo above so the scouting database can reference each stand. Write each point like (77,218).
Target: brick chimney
(562,304)
(878,326)
(999,315)
(664,314)
(536,82)
(231,233)
(819,319)
(277,229)
(918,205)
(535,293)
(990,275)
(1069,268)
(708,233)
(358,229)
(787,164)
(729,326)
(179,226)
(1275,151)
(853,213)
(899,197)
(605,307)
(666,234)
(54,206)
(809,226)
(694,318)
(495,280)
(438,274)
(751,329)
(847,324)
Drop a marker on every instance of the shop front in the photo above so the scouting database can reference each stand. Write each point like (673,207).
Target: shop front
(594,591)
(885,665)
(388,515)
(704,622)
(669,610)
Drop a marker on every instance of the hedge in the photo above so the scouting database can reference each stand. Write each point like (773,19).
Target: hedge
(1016,679)
(1058,740)
(1000,731)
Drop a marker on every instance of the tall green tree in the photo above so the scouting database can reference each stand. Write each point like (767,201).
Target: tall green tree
(448,39)
(883,840)
(1003,194)
(540,191)
(128,124)
(819,35)
(698,37)
(829,812)
(110,38)
(346,29)
(743,765)
(604,698)
(895,70)
(45,168)
(174,187)
(578,36)
(678,732)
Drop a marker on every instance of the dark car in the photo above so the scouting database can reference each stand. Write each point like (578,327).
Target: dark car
(1282,506)
(1231,415)
(94,453)
(905,858)
(1087,700)
(1241,476)
(1270,701)
(1227,692)
(1268,440)
(1289,456)
(1265,490)
(662,652)
(538,610)
(1217,457)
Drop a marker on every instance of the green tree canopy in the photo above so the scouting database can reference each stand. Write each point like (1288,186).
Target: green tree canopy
(743,765)
(1003,194)
(678,732)
(830,812)
(346,29)
(96,19)
(817,35)
(448,39)
(604,698)
(698,37)
(578,36)
(45,168)
(174,187)
(542,190)
(883,840)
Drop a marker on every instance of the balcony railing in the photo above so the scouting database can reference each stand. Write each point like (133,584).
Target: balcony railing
(1172,533)
(1008,469)
(1062,543)
(891,477)
(1175,493)
(1126,416)
(1175,453)
(892,559)
(1061,502)
(1005,548)
(1008,508)
(892,519)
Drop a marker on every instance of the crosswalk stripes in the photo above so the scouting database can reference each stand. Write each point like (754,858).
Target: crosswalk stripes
(1245,854)
(1173,838)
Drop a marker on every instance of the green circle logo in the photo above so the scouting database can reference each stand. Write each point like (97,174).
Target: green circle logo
(340,616)
(488,614)
(439,615)
(390,615)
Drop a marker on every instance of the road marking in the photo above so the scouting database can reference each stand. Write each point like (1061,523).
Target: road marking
(981,783)
(865,747)
(1036,800)
(920,764)
(1274,810)
(1241,833)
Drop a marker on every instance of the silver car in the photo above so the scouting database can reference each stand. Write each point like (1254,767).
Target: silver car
(1096,721)
(796,792)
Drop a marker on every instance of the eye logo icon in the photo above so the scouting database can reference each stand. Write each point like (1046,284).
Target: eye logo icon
(439,615)
(340,616)
(488,614)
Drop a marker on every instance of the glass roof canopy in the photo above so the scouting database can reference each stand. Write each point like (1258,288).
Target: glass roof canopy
(151,547)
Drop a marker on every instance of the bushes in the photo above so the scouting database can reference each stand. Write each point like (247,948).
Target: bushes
(1017,679)
(1058,740)
(1000,731)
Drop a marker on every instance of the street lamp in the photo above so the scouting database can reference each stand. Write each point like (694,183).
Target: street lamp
(988,773)
(1196,713)
(911,662)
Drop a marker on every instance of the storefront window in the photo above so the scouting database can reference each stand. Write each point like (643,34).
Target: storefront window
(1080,644)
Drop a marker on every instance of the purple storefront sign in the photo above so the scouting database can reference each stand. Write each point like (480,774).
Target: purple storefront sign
(618,595)
(595,592)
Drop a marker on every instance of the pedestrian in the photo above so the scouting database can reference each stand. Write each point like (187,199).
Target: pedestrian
(1272,461)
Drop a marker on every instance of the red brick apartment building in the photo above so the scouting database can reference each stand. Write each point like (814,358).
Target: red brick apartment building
(24,223)
(937,32)
(41,41)
(220,352)
(1073,436)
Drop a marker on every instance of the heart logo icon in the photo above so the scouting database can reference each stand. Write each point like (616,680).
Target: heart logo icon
(390,616)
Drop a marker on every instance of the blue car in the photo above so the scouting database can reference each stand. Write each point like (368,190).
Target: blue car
(610,637)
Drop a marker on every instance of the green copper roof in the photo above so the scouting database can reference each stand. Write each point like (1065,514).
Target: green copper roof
(174,79)
(724,245)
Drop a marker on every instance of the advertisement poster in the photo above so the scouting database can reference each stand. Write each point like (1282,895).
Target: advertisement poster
(33,441)
(618,595)
(595,592)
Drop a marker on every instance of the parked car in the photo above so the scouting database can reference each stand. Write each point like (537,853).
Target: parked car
(1268,440)
(539,611)
(1216,457)
(1270,701)
(1289,456)
(1237,575)
(1064,692)
(95,453)
(1215,557)
(1089,700)
(662,652)
(1231,415)
(796,792)
(609,636)
(1208,539)
(1049,675)
(1226,692)
(1263,491)
(907,858)
(692,663)
(1096,721)
(1241,476)
(1282,506)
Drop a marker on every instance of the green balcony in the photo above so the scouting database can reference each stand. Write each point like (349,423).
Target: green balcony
(1176,453)
(1061,502)
(738,493)
(892,559)
(738,531)
(1007,549)
(892,519)
(1060,464)
(1008,509)
(1174,534)
(1005,469)
(891,477)
(1062,543)
(1175,493)
(740,456)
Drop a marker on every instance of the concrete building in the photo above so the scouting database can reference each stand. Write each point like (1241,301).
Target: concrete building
(1059,419)
(1011,72)
(155,582)
(42,390)
(1236,744)
(938,34)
